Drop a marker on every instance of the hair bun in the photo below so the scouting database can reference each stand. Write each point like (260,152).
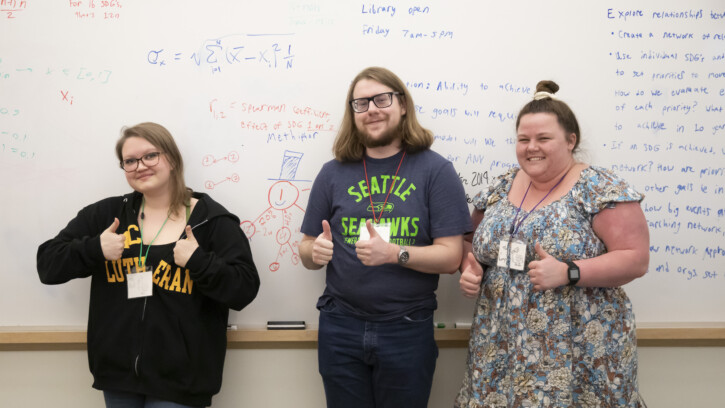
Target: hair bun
(547,86)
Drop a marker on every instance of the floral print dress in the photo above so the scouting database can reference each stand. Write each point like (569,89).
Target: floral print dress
(562,347)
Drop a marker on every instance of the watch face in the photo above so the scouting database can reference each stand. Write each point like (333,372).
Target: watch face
(403,257)
(573,272)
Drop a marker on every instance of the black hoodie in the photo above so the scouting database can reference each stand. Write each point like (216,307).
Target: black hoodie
(170,345)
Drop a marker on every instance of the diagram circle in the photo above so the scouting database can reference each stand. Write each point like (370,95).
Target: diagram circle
(283,195)
(283,235)
(248,228)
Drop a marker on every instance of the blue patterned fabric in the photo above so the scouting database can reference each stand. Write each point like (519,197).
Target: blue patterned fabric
(563,347)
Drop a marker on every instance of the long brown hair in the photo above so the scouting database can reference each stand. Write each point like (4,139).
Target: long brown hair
(564,114)
(161,138)
(348,145)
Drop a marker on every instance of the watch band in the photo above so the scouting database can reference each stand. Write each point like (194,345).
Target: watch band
(573,273)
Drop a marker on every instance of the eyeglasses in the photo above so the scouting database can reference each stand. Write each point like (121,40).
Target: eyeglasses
(383,100)
(148,159)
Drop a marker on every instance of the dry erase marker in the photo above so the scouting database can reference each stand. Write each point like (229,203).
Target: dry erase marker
(439,325)
(286,325)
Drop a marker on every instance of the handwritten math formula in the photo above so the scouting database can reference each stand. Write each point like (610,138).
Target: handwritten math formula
(275,122)
(81,74)
(15,144)
(270,51)
(96,9)
(11,9)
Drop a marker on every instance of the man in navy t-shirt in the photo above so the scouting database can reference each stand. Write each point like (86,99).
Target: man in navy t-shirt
(386,217)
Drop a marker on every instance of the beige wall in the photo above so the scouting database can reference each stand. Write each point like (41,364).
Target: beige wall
(669,377)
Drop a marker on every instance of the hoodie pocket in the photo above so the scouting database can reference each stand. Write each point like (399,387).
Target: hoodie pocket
(166,358)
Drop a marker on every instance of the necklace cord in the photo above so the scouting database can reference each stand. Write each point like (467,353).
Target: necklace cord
(367,183)
(142,259)
(514,226)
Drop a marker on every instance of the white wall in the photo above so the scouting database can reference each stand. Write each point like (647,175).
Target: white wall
(669,377)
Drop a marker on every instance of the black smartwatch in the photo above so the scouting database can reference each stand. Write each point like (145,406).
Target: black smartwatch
(403,255)
(572,273)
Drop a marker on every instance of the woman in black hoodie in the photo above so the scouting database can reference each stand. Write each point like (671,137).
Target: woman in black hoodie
(166,264)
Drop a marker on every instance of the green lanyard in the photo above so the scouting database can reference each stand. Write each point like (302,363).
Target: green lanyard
(140,251)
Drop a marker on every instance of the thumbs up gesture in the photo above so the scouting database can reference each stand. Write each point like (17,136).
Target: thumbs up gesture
(471,276)
(322,247)
(111,243)
(548,272)
(184,248)
(375,251)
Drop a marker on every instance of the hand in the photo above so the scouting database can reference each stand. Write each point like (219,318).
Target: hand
(184,248)
(322,247)
(374,251)
(471,276)
(112,244)
(548,272)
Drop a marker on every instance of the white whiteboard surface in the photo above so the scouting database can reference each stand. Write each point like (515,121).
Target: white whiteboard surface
(254,92)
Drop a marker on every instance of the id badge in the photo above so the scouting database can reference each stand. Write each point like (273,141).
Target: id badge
(503,252)
(382,229)
(518,254)
(140,284)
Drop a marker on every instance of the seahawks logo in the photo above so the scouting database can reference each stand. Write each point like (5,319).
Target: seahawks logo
(378,207)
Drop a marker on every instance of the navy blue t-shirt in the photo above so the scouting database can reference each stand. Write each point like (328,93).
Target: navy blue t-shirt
(427,202)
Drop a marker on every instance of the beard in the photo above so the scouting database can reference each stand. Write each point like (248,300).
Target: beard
(385,139)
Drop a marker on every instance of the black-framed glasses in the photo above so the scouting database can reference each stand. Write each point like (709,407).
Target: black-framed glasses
(148,159)
(383,100)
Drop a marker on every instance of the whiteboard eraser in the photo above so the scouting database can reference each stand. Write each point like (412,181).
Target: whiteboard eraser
(286,325)
(460,325)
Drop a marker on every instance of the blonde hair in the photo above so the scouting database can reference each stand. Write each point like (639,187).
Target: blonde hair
(158,136)
(348,145)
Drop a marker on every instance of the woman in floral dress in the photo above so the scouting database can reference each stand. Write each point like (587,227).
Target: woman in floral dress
(557,238)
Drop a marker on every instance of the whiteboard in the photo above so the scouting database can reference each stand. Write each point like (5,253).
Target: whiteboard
(254,92)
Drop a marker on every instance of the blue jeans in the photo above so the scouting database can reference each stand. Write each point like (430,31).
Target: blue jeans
(121,399)
(376,364)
